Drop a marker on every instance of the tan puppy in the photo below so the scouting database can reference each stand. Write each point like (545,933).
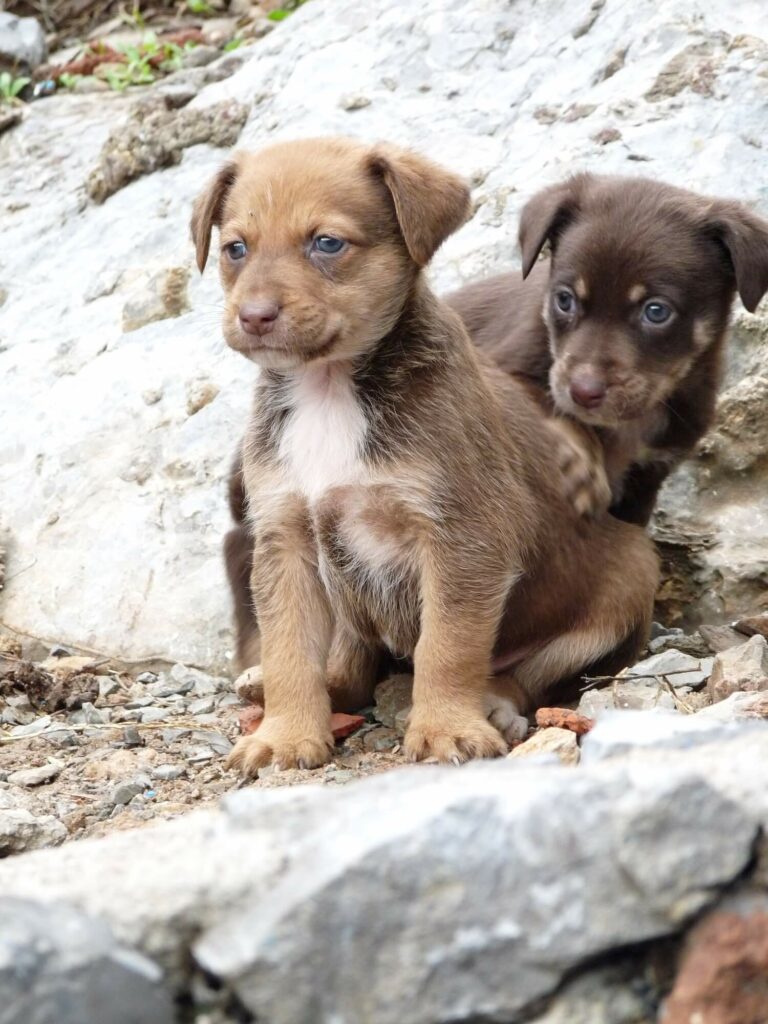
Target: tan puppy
(402,494)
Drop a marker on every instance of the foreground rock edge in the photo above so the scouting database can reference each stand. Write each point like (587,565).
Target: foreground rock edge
(396,886)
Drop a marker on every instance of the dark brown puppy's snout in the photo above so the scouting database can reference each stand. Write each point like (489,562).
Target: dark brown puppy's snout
(258,317)
(587,389)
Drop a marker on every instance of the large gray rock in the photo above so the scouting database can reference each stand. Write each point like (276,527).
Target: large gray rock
(425,895)
(113,491)
(22,43)
(743,668)
(58,966)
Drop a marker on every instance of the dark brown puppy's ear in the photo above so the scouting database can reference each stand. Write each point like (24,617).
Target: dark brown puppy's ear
(430,202)
(545,215)
(745,236)
(207,211)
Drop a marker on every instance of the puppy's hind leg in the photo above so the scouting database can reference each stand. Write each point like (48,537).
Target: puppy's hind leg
(353,670)
(613,628)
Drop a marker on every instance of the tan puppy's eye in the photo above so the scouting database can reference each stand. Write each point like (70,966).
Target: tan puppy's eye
(236,250)
(328,245)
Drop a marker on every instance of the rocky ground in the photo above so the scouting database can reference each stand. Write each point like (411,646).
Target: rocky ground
(612,870)
(88,746)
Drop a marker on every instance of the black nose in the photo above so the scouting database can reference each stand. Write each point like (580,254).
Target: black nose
(258,317)
(587,389)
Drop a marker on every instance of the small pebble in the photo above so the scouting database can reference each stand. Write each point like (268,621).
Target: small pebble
(33,728)
(216,741)
(108,686)
(35,776)
(171,735)
(147,678)
(203,706)
(166,687)
(197,755)
(132,737)
(154,714)
(124,792)
(167,772)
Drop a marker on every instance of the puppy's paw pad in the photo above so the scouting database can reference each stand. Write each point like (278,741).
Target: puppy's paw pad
(476,739)
(257,751)
(248,755)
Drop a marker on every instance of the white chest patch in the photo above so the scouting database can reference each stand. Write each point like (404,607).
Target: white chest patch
(323,439)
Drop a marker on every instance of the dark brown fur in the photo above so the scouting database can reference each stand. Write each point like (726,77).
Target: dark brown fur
(623,242)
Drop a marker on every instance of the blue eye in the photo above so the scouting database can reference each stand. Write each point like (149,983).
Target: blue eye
(565,301)
(656,313)
(236,250)
(328,244)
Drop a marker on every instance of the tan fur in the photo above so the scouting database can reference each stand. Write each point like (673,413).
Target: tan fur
(581,288)
(435,527)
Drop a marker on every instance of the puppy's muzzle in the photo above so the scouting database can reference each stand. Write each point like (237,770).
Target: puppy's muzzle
(587,389)
(258,318)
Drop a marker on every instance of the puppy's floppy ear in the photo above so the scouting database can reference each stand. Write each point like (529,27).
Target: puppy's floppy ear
(546,214)
(430,202)
(208,208)
(745,237)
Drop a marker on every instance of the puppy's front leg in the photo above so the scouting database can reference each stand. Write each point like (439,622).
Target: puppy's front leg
(296,624)
(451,671)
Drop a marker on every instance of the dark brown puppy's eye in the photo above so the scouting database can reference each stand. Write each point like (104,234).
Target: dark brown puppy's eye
(565,302)
(657,313)
(236,250)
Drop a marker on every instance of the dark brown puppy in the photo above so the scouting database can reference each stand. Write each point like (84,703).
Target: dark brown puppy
(401,491)
(622,328)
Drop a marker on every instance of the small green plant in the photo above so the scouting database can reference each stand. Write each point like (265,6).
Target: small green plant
(143,62)
(10,87)
(201,7)
(233,44)
(68,81)
(281,13)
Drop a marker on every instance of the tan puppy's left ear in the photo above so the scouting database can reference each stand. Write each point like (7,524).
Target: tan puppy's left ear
(430,202)
(208,209)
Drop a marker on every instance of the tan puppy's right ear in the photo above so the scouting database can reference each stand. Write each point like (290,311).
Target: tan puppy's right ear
(430,202)
(546,214)
(208,208)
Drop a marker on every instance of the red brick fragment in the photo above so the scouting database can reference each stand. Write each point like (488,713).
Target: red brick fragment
(563,718)
(343,725)
(250,718)
(723,975)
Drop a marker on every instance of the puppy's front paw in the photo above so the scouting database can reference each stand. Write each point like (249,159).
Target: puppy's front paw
(277,743)
(584,480)
(249,685)
(452,742)
(502,712)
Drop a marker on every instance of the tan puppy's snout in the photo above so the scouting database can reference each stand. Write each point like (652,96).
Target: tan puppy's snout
(258,318)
